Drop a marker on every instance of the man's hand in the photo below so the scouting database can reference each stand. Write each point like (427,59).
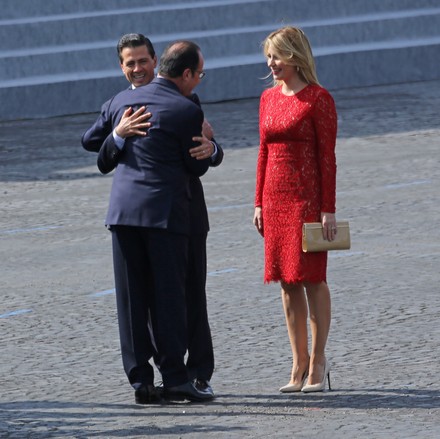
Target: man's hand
(132,124)
(207,130)
(204,150)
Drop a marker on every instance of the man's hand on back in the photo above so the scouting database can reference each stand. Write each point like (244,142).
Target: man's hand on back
(133,123)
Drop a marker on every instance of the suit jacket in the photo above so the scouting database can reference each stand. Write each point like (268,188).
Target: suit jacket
(93,138)
(100,138)
(151,183)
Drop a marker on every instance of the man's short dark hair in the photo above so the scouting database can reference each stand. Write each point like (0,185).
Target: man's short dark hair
(177,57)
(134,40)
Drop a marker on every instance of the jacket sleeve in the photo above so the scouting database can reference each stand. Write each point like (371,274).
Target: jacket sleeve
(108,155)
(192,127)
(219,156)
(93,138)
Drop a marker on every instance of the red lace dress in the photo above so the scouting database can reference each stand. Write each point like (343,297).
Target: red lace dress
(296,178)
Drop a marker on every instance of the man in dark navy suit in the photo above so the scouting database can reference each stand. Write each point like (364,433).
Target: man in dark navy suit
(149,196)
(137,60)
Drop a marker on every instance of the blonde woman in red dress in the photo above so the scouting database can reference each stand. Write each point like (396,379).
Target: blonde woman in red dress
(296,183)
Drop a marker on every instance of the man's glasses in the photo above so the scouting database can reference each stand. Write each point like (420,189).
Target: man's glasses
(201,74)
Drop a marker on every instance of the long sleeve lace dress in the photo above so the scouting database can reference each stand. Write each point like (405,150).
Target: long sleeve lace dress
(296,178)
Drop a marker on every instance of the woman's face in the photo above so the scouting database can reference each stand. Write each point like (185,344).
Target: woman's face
(280,70)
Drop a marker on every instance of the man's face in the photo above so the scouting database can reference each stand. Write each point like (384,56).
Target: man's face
(138,65)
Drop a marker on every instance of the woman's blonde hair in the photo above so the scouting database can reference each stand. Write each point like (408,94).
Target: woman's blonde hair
(291,45)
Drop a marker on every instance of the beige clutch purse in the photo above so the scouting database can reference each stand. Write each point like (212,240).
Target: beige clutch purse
(313,241)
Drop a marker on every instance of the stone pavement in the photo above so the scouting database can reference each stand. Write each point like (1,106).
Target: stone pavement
(60,369)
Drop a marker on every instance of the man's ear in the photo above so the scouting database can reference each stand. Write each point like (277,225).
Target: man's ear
(187,74)
(155,61)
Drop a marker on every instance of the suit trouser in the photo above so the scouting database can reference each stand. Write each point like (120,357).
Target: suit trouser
(150,269)
(200,360)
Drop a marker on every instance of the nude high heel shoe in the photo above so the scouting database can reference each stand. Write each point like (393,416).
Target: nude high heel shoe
(319,387)
(290,388)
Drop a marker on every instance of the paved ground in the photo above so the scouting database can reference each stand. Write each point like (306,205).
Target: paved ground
(60,368)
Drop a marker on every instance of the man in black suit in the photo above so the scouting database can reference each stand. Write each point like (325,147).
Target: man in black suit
(149,196)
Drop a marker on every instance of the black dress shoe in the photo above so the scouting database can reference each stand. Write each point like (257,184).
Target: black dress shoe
(186,391)
(203,386)
(146,394)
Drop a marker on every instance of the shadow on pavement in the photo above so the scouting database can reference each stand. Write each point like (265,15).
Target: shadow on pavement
(26,417)
(351,399)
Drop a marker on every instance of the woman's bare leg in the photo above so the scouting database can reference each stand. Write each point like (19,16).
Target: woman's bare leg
(295,310)
(318,297)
